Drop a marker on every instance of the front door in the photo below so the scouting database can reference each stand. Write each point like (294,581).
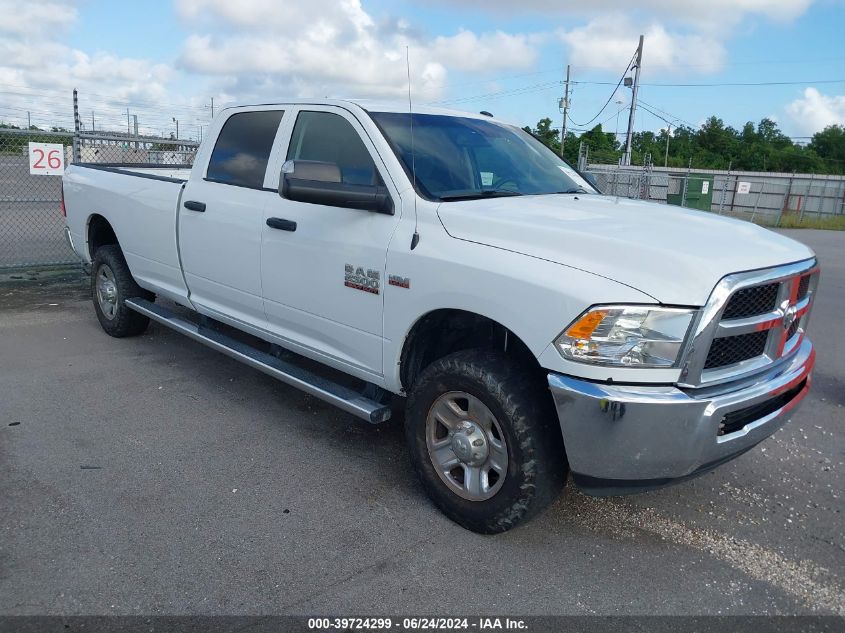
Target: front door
(323,282)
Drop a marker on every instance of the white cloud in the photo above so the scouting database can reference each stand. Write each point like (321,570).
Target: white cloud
(470,52)
(343,52)
(678,33)
(815,111)
(609,43)
(27,18)
(39,72)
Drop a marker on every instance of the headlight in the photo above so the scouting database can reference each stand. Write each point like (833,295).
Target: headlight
(627,336)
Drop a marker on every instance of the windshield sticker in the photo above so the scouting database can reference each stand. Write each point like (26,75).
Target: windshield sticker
(486,178)
(566,169)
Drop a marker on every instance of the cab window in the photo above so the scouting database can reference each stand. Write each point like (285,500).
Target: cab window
(243,148)
(327,137)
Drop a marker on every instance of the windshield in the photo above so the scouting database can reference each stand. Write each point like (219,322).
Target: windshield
(461,158)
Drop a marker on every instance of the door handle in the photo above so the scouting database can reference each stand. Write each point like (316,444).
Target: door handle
(195,206)
(281,223)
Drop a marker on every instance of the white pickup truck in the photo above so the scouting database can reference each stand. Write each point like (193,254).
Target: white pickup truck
(534,326)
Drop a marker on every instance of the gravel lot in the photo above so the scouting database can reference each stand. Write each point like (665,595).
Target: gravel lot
(154,476)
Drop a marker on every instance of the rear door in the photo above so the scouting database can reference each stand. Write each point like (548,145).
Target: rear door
(221,218)
(323,282)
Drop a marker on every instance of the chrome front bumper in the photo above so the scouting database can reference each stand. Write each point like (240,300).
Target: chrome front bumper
(622,438)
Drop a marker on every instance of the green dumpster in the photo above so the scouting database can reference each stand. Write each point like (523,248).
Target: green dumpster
(699,194)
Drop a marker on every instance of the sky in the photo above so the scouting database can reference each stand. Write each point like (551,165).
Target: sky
(166,59)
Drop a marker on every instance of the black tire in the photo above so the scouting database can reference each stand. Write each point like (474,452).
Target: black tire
(537,467)
(122,321)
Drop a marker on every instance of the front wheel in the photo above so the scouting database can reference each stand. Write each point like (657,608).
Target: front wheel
(111,285)
(484,440)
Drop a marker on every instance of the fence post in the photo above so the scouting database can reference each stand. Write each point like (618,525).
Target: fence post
(686,184)
(806,199)
(77,150)
(757,201)
(725,188)
(786,197)
(841,201)
(821,196)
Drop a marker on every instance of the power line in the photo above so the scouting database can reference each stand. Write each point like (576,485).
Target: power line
(619,83)
(668,114)
(727,84)
(584,129)
(502,93)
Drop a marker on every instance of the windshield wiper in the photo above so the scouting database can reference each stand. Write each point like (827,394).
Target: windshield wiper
(477,195)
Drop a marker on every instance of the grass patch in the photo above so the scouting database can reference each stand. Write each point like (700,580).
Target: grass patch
(817,221)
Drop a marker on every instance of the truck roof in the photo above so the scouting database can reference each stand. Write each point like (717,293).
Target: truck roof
(374,105)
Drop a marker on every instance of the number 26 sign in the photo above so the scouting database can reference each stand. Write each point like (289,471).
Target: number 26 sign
(46,159)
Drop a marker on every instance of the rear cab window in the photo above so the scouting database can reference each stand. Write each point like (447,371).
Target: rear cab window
(243,148)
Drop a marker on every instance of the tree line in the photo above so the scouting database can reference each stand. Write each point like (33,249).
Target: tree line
(16,144)
(760,147)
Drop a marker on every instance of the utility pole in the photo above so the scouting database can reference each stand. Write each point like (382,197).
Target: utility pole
(212,107)
(176,121)
(565,103)
(626,159)
(668,134)
(28,121)
(135,127)
(128,125)
(92,120)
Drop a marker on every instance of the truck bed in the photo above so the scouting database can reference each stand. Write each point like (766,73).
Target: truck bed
(141,203)
(171,172)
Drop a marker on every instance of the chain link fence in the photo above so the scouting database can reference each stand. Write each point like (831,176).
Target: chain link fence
(770,199)
(31,224)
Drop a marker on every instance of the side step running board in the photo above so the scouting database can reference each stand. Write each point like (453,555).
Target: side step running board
(319,387)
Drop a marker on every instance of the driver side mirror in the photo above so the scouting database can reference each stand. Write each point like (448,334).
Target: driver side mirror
(319,182)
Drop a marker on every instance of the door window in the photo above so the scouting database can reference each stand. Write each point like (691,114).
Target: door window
(327,137)
(243,148)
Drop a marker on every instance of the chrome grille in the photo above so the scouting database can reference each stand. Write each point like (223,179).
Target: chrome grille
(752,301)
(735,349)
(804,286)
(751,321)
(793,329)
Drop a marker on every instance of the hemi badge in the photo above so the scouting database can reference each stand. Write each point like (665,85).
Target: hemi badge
(401,282)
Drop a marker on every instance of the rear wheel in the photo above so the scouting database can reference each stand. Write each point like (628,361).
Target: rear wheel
(484,440)
(111,285)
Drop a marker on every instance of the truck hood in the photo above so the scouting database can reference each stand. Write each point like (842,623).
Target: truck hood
(673,254)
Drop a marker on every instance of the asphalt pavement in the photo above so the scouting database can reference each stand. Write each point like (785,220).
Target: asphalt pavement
(152,475)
